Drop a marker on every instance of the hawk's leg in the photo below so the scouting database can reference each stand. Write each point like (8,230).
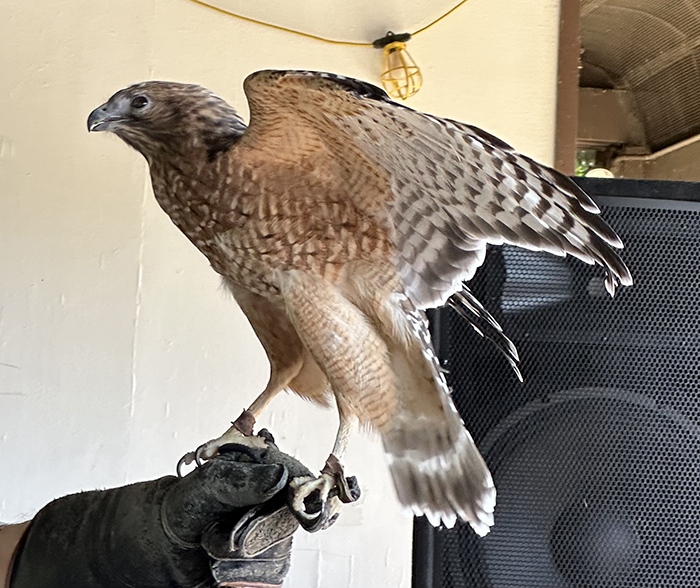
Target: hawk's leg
(319,498)
(243,424)
(240,431)
(353,356)
(286,355)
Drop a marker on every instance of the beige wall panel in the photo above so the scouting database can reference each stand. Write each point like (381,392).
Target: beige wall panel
(118,349)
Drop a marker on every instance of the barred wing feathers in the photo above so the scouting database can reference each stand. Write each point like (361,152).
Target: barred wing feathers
(454,187)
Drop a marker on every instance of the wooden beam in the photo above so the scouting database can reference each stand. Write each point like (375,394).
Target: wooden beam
(567,86)
(607,117)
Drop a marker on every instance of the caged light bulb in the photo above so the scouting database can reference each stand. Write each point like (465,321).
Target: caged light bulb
(401,77)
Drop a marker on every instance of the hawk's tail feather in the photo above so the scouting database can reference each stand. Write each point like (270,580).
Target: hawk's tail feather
(435,465)
(481,320)
(438,472)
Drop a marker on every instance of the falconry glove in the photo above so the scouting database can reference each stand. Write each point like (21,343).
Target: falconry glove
(224,522)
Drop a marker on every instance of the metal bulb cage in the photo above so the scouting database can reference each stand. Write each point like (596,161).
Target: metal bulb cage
(401,76)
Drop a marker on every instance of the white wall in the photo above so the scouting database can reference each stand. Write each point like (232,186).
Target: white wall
(118,350)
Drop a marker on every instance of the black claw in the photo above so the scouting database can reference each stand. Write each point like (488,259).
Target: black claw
(316,515)
(198,455)
(181,462)
(265,434)
(348,489)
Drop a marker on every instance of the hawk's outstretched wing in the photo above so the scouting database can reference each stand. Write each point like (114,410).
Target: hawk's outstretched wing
(453,188)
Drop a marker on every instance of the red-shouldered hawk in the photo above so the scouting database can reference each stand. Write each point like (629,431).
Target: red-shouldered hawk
(336,217)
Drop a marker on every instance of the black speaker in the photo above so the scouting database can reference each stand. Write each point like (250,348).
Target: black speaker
(596,455)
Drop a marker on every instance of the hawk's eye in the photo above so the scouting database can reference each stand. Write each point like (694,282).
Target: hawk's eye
(139,102)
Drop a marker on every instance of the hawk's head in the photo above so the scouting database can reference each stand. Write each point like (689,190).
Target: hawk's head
(168,118)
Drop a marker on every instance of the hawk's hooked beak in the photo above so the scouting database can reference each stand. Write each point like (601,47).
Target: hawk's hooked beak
(104,117)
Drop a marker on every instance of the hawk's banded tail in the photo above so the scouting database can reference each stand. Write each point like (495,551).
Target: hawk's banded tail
(438,472)
(435,465)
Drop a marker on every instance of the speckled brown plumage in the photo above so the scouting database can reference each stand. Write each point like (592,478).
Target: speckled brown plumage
(335,218)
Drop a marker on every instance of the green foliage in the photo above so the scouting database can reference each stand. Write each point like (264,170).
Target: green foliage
(585,160)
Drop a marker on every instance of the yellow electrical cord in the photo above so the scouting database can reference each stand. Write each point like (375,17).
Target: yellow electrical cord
(439,18)
(316,37)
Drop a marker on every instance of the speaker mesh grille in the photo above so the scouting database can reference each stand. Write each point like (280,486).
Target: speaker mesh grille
(596,457)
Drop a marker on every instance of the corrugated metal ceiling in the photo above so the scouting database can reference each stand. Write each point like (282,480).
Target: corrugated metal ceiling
(652,49)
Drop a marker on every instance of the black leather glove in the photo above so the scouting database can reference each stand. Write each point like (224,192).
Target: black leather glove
(151,534)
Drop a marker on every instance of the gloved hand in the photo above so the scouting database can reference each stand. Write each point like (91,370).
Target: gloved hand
(150,534)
